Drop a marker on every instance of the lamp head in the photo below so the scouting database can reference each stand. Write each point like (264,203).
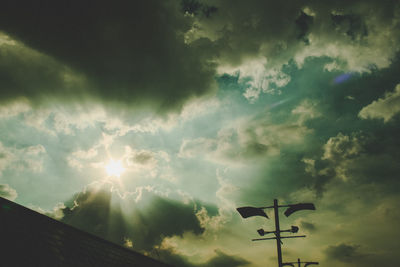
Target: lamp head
(246,212)
(261,232)
(294,229)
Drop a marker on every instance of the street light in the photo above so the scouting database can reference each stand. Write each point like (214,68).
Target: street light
(248,211)
(306,263)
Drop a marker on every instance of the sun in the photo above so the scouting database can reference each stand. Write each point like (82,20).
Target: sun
(115,168)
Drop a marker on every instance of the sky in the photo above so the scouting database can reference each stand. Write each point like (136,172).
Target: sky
(148,123)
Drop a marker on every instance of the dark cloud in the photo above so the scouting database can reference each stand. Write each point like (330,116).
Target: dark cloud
(92,212)
(279,30)
(352,25)
(303,23)
(143,157)
(162,52)
(148,221)
(224,260)
(360,160)
(195,7)
(221,259)
(343,252)
(128,52)
(308,226)
(28,73)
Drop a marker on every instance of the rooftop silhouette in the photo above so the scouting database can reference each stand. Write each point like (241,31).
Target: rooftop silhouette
(29,238)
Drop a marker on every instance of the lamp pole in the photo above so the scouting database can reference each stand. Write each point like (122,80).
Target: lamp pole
(278,233)
(248,211)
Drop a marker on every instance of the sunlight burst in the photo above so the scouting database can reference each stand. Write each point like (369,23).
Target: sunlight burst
(114,168)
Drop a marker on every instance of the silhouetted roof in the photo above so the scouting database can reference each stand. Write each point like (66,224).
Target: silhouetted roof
(29,238)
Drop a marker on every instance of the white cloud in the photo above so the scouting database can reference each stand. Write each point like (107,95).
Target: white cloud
(74,163)
(199,107)
(306,110)
(28,158)
(6,157)
(226,206)
(37,119)
(14,108)
(341,152)
(7,192)
(81,157)
(57,212)
(258,77)
(341,147)
(310,166)
(191,148)
(383,108)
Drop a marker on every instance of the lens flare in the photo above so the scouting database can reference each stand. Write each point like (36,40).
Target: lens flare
(342,78)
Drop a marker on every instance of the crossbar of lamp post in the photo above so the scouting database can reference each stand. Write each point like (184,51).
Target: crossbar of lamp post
(306,263)
(271,207)
(274,232)
(268,238)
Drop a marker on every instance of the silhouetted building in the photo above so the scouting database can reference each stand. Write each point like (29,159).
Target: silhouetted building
(28,238)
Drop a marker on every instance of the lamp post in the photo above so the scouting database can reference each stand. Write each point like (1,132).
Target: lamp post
(306,263)
(278,233)
(246,212)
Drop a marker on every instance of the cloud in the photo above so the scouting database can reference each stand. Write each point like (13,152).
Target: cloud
(339,154)
(261,136)
(219,259)
(30,74)
(146,163)
(256,78)
(57,212)
(21,159)
(194,147)
(167,53)
(14,108)
(357,159)
(341,147)
(344,252)
(264,37)
(306,110)
(308,226)
(384,108)
(7,192)
(143,158)
(134,55)
(246,139)
(222,260)
(144,221)
(78,158)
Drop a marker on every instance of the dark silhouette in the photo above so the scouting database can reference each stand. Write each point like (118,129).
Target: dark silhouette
(306,263)
(246,212)
(29,238)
